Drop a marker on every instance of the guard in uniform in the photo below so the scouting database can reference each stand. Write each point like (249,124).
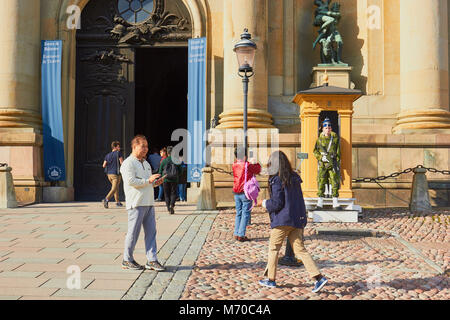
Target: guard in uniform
(328,153)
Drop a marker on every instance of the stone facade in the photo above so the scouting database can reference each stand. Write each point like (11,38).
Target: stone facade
(398,51)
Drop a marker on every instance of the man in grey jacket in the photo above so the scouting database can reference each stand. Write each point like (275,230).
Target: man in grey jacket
(138,186)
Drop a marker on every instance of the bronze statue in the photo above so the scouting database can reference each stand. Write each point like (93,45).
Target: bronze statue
(329,37)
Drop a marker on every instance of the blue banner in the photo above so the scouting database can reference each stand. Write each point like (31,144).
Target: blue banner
(196,108)
(54,165)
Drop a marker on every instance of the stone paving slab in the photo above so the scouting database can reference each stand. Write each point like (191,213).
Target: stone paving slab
(9,266)
(44,260)
(10,297)
(43,292)
(89,294)
(62,283)
(19,249)
(60,267)
(42,244)
(41,241)
(44,254)
(19,274)
(4,253)
(101,284)
(19,282)
(90,275)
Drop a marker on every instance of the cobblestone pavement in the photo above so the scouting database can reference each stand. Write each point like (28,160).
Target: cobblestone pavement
(406,259)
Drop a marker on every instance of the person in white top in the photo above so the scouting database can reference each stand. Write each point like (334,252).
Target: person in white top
(138,183)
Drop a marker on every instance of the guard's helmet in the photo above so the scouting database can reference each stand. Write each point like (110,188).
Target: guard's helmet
(327,120)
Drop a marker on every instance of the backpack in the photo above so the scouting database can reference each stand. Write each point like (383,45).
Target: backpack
(171,171)
(251,187)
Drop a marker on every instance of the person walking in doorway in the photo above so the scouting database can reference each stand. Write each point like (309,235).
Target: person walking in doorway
(155,160)
(112,163)
(182,183)
(163,154)
(138,185)
(287,219)
(171,172)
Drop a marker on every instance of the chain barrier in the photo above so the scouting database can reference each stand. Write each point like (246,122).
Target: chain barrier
(396,174)
(373,180)
(222,171)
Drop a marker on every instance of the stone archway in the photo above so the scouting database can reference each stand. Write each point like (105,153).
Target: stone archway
(198,11)
(110,43)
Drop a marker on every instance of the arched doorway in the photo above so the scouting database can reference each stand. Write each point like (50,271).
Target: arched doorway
(131,78)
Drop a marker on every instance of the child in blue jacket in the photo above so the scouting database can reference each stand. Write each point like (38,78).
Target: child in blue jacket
(287,219)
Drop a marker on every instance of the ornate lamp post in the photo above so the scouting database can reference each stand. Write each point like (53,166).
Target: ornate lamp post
(245,52)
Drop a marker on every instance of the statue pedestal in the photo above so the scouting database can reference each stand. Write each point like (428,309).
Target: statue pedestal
(338,76)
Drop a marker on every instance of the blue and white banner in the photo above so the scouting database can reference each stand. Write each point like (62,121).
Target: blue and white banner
(54,165)
(196,108)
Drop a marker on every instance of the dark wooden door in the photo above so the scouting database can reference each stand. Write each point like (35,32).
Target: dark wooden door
(111,30)
(104,113)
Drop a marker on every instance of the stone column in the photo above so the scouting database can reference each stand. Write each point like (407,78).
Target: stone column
(346,151)
(423,66)
(309,116)
(251,14)
(276,48)
(20,116)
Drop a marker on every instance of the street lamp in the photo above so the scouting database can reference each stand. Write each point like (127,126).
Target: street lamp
(245,52)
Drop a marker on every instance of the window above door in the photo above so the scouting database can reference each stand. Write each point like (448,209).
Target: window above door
(135,11)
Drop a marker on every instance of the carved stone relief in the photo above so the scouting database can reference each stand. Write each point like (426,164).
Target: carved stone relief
(169,21)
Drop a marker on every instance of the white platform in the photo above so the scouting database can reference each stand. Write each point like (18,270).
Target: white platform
(345,204)
(334,216)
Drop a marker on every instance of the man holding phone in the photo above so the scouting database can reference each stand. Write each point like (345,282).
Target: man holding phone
(138,183)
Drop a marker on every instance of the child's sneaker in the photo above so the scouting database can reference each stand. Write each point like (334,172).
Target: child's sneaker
(319,284)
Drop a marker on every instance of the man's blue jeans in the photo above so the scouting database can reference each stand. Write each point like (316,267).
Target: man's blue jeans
(243,210)
(161,192)
(182,192)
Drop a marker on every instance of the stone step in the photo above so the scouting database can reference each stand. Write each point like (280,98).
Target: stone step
(334,216)
(347,204)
